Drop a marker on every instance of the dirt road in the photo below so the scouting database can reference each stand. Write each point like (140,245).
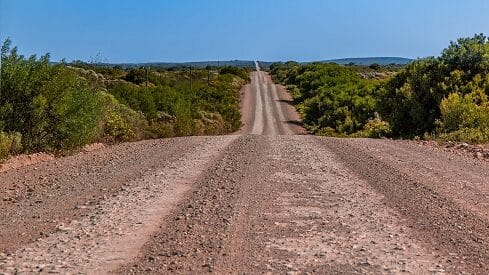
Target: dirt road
(268,199)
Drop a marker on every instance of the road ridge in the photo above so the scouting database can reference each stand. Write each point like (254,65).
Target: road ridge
(100,243)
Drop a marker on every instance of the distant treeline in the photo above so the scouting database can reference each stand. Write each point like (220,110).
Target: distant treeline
(443,97)
(62,107)
(367,61)
(177,65)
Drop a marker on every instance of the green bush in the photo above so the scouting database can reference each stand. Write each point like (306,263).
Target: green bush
(137,76)
(210,124)
(240,72)
(63,107)
(445,95)
(184,123)
(376,128)
(329,132)
(410,101)
(136,121)
(465,117)
(468,111)
(10,144)
(469,135)
(163,129)
(50,106)
(331,99)
(185,106)
(118,129)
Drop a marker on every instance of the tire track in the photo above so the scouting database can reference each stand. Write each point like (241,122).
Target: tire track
(268,113)
(282,123)
(192,239)
(258,123)
(439,221)
(117,228)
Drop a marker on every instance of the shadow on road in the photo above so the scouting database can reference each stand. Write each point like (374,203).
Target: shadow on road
(290,102)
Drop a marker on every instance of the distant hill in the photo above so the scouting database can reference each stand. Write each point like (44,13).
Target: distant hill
(199,64)
(371,60)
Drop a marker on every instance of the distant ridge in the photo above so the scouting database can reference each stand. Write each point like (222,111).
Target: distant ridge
(197,64)
(371,60)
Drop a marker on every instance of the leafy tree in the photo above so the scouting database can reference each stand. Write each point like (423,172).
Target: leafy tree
(375,66)
(49,105)
(137,76)
(411,100)
(332,99)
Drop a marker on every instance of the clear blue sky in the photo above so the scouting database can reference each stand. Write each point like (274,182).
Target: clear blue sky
(190,30)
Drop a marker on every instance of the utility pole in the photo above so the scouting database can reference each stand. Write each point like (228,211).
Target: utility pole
(147,77)
(190,77)
(1,56)
(208,75)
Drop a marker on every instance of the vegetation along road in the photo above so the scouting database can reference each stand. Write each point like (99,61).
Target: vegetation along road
(268,198)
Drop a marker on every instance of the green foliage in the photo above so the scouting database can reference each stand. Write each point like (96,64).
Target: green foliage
(465,117)
(446,95)
(410,101)
(237,71)
(49,105)
(211,124)
(66,106)
(331,99)
(137,98)
(137,76)
(135,122)
(117,128)
(375,66)
(114,72)
(376,128)
(469,135)
(10,144)
(469,55)
(183,105)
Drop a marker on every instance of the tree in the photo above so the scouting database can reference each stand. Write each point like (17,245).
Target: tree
(375,66)
(49,105)
(137,76)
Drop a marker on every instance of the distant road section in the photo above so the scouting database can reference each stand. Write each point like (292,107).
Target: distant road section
(267,108)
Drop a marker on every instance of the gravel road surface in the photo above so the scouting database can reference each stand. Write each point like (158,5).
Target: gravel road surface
(267,199)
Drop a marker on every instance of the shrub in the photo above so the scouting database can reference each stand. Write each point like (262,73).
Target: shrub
(137,76)
(49,105)
(468,111)
(63,107)
(117,129)
(465,117)
(135,121)
(163,129)
(210,124)
(376,128)
(469,135)
(329,96)
(241,72)
(10,144)
(410,101)
(327,131)
(184,123)
(446,95)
